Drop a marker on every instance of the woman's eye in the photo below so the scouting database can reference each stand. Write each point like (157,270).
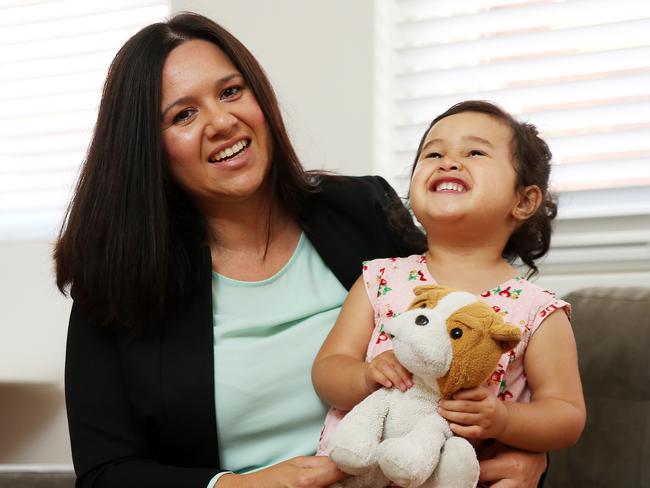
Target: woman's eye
(230,92)
(183,116)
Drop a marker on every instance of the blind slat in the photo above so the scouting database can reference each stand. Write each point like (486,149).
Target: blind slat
(578,69)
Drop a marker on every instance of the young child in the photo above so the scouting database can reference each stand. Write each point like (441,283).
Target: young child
(479,187)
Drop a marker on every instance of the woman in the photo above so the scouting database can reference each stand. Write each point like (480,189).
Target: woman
(206,268)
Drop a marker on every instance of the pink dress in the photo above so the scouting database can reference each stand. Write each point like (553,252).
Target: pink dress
(389,283)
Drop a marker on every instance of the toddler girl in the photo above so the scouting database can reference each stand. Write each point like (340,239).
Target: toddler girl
(479,187)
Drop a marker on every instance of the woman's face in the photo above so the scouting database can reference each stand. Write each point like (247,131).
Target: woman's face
(214,133)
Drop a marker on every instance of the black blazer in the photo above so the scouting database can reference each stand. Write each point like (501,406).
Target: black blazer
(141,412)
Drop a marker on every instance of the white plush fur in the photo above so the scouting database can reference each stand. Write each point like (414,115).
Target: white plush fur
(398,437)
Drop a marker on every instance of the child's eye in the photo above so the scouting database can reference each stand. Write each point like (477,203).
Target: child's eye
(231,92)
(183,116)
(433,155)
(476,152)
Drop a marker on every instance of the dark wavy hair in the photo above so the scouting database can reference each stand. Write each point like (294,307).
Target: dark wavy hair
(130,235)
(532,159)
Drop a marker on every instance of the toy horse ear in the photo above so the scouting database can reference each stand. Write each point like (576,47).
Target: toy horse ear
(507,335)
(428,296)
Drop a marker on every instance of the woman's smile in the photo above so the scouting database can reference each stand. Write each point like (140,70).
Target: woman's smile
(227,154)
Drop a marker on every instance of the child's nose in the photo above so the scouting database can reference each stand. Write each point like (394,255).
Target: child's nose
(449,164)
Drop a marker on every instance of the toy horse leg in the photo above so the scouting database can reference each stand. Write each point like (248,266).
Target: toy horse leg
(408,467)
(373,479)
(408,461)
(458,466)
(354,443)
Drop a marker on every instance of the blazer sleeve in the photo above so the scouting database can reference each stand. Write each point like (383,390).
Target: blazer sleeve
(112,446)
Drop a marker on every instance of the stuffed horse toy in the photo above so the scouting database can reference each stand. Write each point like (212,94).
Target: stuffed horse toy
(449,340)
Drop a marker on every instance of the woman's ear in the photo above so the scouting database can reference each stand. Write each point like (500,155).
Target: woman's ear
(530,198)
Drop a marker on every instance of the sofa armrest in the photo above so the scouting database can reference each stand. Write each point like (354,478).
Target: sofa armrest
(612,330)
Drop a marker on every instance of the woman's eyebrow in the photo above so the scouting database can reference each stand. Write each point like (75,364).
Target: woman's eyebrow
(221,81)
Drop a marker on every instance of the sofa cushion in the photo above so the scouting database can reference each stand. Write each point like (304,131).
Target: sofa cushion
(612,330)
(36,476)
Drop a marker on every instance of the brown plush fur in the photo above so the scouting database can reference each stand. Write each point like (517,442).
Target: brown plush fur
(485,338)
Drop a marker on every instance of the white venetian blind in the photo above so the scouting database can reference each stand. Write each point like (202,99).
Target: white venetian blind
(578,69)
(54,57)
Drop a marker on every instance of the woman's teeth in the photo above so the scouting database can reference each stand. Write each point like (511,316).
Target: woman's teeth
(229,152)
(450,186)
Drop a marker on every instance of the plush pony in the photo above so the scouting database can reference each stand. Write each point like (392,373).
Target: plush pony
(449,340)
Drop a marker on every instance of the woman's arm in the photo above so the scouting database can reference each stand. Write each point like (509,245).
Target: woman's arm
(340,375)
(507,467)
(555,416)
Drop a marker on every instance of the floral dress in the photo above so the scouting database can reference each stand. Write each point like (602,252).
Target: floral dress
(389,284)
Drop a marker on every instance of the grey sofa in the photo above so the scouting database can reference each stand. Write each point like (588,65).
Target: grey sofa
(612,329)
(36,477)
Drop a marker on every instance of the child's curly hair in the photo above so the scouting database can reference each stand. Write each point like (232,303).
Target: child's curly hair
(532,158)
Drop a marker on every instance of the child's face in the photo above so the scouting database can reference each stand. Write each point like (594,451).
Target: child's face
(465,174)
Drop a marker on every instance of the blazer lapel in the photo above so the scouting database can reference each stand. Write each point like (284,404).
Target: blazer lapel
(187,378)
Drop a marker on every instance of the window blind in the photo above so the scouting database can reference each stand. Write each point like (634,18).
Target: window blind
(578,69)
(54,56)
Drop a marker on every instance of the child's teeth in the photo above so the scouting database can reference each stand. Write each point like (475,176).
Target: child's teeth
(450,186)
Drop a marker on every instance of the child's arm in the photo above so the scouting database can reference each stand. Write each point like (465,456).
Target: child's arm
(340,375)
(555,416)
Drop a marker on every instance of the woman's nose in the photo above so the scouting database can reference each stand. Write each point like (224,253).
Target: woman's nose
(220,122)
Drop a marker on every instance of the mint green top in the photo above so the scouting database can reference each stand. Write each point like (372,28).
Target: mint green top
(266,335)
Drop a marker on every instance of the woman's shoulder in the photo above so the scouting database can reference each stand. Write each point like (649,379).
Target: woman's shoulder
(362,200)
(352,187)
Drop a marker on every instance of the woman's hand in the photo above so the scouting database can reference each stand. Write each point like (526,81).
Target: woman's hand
(386,370)
(507,467)
(475,413)
(299,472)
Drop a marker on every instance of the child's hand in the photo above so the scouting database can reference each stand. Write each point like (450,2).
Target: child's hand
(475,413)
(386,370)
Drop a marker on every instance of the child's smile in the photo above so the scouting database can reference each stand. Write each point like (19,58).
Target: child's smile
(449,185)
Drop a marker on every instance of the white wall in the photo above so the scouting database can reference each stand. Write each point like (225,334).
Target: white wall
(33,321)
(319,58)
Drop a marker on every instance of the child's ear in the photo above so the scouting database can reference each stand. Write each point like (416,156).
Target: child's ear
(530,198)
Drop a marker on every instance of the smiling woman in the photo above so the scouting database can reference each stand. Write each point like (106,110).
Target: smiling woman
(214,131)
(206,267)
